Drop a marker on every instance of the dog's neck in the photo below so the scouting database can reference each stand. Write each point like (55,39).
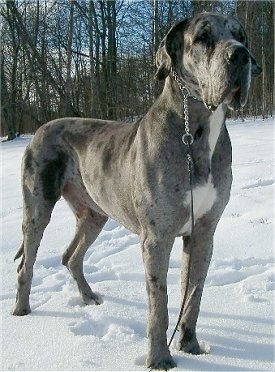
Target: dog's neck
(186,90)
(170,105)
(172,99)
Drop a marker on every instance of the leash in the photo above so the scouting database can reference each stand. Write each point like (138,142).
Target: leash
(188,140)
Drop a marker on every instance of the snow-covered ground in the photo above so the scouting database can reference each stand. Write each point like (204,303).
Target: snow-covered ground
(236,315)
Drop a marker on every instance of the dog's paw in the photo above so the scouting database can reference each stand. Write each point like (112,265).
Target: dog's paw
(162,363)
(21,311)
(189,344)
(194,348)
(92,299)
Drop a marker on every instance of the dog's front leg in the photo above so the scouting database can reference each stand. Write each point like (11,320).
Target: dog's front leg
(156,253)
(202,247)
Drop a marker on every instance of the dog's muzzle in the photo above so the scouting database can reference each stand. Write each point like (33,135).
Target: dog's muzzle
(239,64)
(234,80)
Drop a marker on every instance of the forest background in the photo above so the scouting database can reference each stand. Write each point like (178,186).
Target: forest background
(96,58)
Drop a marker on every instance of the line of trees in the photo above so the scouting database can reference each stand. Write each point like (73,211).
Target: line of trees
(96,58)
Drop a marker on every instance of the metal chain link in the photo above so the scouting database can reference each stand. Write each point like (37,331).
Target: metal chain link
(187,138)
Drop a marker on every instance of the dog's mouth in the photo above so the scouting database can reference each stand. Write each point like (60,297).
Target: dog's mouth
(234,97)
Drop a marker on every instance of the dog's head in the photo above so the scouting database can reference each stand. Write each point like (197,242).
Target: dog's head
(210,54)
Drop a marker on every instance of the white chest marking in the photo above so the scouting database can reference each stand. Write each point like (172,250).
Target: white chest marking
(215,123)
(204,196)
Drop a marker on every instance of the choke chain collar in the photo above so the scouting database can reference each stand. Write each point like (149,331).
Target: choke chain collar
(187,138)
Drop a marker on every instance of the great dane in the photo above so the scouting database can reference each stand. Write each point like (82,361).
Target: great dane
(138,173)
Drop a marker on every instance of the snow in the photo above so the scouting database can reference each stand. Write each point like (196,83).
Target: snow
(236,318)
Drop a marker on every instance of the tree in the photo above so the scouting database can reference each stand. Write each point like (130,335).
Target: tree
(97,58)
(258,19)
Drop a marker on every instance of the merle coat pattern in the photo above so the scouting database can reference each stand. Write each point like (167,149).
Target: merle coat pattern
(137,173)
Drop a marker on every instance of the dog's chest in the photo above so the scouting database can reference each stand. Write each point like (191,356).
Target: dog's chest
(205,195)
(204,198)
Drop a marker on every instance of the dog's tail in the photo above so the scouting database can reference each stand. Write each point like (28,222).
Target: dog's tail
(20,252)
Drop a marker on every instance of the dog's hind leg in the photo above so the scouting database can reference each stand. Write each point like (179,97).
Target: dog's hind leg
(36,218)
(41,185)
(89,224)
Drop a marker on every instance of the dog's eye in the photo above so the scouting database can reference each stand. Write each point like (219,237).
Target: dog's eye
(201,38)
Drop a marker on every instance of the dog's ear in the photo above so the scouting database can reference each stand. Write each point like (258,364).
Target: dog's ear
(167,51)
(163,61)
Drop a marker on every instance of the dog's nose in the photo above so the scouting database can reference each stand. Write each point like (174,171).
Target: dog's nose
(237,55)
(256,70)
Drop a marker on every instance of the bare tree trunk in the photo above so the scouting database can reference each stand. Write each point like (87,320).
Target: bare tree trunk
(155,45)
(7,125)
(68,85)
(93,85)
(10,111)
(111,60)
(263,69)
(27,40)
